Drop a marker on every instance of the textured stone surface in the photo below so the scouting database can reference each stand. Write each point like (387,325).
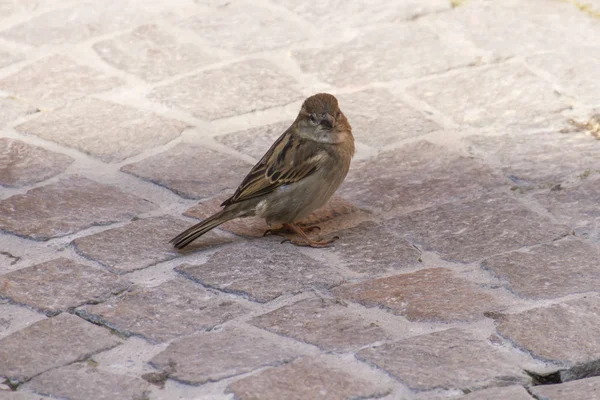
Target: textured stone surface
(542,159)
(216,355)
(262,270)
(152,54)
(386,54)
(306,379)
(183,170)
(499,393)
(565,332)
(51,343)
(7,58)
(66,207)
(13,108)
(322,322)
(255,84)
(581,389)
(14,317)
(109,131)
(552,270)
(81,381)
(416,175)
(470,231)
(233,23)
(59,285)
(22,395)
(162,313)
(378,119)
(370,248)
(255,141)
(23,164)
(139,244)
(500,95)
(433,294)
(446,359)
(54,81)
(576,206)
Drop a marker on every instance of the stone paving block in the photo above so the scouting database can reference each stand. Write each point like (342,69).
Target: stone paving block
(335,215)
(553,270)
(152,54)
(7,58)
(541,159)
(23,164)
(433,294)
(566,332)
(232,24)
(306,379)
(379,120)
(370,248)
(357,13)
(416,175)
(14,317)
(139,244)
(192,171)
(56,80)
(59,285)
(21,396)
(172,309)
(470,231)
(255,142)
(67,206)
(254,84)
(450,359)
(386,54)
(499,393)
(326,323)
(216,355)
(588,389)
(576,206)
(262,270)
(502,95)
(86,20)
(51,343)
(13,108)
(108,131)
(80,381)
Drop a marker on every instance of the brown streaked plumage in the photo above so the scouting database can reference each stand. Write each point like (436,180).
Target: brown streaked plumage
(297,175)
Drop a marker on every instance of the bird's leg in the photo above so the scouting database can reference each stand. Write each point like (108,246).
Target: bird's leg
(306,240)
(279,231)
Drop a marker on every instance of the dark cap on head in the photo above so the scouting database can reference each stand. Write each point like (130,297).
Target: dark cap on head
(321,103)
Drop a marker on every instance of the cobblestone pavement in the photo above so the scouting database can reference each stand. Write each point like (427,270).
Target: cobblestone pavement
(468,264)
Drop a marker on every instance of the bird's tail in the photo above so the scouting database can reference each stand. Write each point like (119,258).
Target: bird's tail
(189,235)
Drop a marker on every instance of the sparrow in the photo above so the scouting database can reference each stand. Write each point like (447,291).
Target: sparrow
(296,176)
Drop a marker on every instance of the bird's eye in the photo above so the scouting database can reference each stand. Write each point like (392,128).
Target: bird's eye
(313,118)
(338,115)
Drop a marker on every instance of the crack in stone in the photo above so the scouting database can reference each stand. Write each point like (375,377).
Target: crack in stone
(576,372)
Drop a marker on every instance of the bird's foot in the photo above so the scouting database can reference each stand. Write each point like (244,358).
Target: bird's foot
(304,239)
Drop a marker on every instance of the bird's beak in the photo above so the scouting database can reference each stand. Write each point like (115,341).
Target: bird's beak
(329,121)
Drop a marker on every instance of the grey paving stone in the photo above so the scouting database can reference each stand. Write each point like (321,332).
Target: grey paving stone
(386,54)
(152,54)
(325,323)
(543,159)
(216,355)
(444,360)
(499,393)
(13,108)
(588,389)
(59,285)
(15,317)
(500,95)
(137,245)
(306,379)
(255,141)
(192,171)
(51,343)
(566,332)
(232,24)
(553,270)
(108,131)
(470,231)
(7,58)
(172,309)
(21,396)
(415,176)
(379,120)
(23,164)
(254,84)
(262,270)
(56,80)
(433,294)
(67,206)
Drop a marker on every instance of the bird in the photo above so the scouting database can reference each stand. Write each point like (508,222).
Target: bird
(297,175)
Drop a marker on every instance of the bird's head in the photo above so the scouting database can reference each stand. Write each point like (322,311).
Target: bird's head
(321,119)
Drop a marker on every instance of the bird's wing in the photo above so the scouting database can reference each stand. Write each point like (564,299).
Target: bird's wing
(290,159)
